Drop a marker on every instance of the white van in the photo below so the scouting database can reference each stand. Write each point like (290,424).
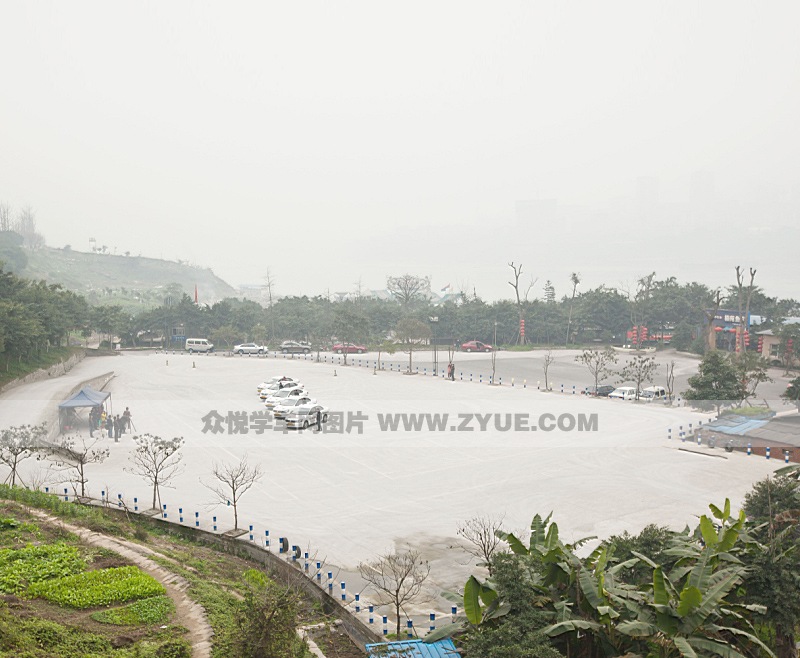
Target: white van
(198,345)
(653,393)
(623,393)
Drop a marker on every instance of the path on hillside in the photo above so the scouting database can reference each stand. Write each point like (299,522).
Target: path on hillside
(188,614)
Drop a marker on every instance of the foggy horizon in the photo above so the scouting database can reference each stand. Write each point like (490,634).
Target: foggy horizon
(338,143)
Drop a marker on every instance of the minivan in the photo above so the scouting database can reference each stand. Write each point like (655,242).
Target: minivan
(653,393)
(198,345)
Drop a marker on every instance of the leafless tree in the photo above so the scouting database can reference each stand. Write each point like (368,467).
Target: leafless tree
(744,297)
(711,335)
(517,270)
(408,288)
(548,360)
(5,217)
(73,455)
(156,460)
(269,285)
(480,533)
(670,379)
(233,481)
(598,363)
(575,279)
(18,444)
(397,578)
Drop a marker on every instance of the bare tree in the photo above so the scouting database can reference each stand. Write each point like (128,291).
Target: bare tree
(480,533)
(269,285)
(744,305)
(599,363)
(26,227)
(156,460)
(517,270)
(18,444)
(711,334)
(5,217)
(73,455)
(575,279)
(548,360)
(408,288)
(397,578)
(670,379)
(233,481)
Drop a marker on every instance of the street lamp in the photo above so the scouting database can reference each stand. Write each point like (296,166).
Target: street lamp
(434,320)
(494,352)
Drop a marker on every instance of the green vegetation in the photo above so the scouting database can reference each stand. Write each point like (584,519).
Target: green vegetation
(154,610)
(32,564)
(94,588)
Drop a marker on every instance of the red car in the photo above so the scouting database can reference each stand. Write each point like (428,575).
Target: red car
(348,348)
(475,346)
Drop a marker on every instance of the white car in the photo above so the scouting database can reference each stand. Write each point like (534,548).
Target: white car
(279,411)
(276,383)
(249,348)
(653,393)
(303,417)
(623,393)
(284,394)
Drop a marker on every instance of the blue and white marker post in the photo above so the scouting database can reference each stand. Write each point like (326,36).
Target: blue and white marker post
(358,603)
(215,524)
(66,496)
(305,561)
(180,514)
(749,449)
(453,613)
(330,583)
(119,500)
(432,624)
(103,496)
(197,519)
(319,573)
(669,433)
(767,452)
(410,627)
(385,625)
(344,592)
(786,456)
(164,512)
(371,609)
(266,539)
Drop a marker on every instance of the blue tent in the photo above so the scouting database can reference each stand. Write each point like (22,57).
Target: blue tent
(413,649)
(86,397)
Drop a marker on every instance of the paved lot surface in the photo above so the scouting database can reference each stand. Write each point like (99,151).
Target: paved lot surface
(350,496)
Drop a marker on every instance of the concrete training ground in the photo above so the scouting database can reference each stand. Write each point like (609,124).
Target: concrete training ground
(349,497)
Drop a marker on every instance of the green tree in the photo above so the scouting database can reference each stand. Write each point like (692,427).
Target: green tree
(598,363)
(716,385)
(773,506)
(639,370)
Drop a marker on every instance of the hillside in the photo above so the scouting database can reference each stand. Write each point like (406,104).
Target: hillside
(126,280)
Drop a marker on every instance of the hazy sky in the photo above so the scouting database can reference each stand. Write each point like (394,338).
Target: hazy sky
(342,140)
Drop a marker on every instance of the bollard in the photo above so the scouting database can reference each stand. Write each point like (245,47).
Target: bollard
(562,388)
(470,376)
(749,449)
(47,490)
(66,497)
(385,622)
(344,592)
(524,383)
(699,439)
(453,613)
(573,389)
(119,500)
(180,515)
(280,545)
(358,604)
(215,524)
(512,382)
(500,381)
(193,365)
(319,572)
(669,433)
(481,379)
(410,626)
(767,452)
(102,495)
(266,539)
(371,611)
(197,519)
(432,626)
(164,513)
(786,456)
(305,559)
(251,533)
(135,504)
(538,388)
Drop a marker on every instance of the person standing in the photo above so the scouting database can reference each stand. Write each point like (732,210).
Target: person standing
(126,419)
(110,425)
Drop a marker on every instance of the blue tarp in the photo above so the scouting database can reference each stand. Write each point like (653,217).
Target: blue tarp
(413,649)
(86,397)
(736,425)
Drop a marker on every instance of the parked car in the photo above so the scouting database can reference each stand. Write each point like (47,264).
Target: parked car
(623,393)
(303,417)
(279,411)
(653,393)
(198,345)
(475,346)
(293,347)
(602,391)
(265,391)
(348,348)
(249,348)
(284,394)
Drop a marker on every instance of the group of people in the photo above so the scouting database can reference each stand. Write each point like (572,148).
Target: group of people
(451,371)
(116,426)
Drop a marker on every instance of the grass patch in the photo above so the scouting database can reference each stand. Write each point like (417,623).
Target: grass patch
(22,567)
(94,588)
(155,610)
(15,369)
